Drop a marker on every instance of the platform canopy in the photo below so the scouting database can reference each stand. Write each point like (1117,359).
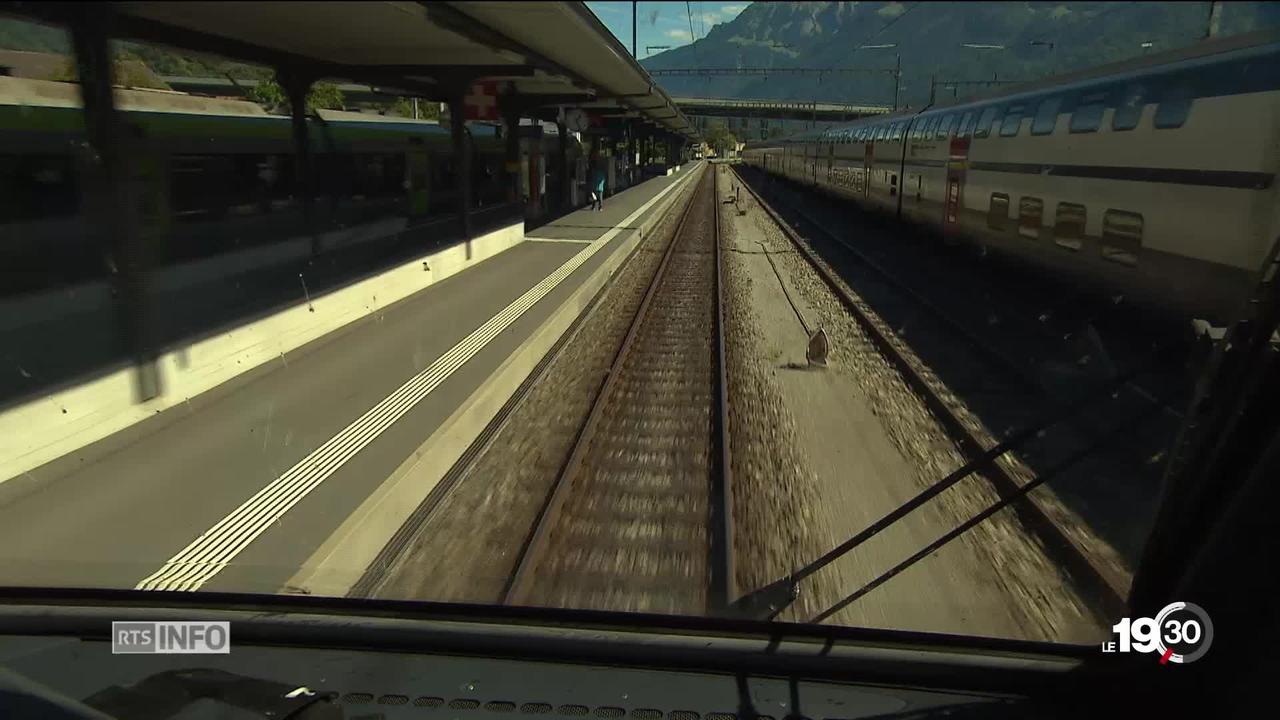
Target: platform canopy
(544,54)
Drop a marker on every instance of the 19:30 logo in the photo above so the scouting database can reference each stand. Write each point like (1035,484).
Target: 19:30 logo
(1181,633)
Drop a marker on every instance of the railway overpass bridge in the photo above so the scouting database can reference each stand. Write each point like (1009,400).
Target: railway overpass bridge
(750,118)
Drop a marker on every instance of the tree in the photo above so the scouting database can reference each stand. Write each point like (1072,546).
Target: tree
(719,138)
(403,107)
(325,95)
(271,96)
(127,70)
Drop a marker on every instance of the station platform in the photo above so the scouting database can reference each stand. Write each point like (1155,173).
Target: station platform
(293,476)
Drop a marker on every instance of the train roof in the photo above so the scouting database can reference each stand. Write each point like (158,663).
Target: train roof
(1241,49)
(1261,40)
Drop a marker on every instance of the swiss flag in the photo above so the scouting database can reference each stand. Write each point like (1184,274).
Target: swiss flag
(481,102)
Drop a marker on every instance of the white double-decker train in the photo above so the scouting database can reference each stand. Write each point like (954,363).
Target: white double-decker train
(1153,179)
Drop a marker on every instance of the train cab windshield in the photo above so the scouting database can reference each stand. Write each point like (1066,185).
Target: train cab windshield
(930,338)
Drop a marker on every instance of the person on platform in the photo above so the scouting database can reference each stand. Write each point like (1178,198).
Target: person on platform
(597,184)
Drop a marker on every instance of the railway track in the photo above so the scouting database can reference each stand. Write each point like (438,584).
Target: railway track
(638,519)
(1102,581)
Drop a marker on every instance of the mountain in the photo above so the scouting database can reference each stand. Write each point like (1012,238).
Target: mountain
(1038,38)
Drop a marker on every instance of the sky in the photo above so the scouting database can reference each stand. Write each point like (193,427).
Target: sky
(664,23)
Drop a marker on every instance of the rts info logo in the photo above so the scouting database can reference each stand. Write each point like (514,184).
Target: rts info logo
(1181,633)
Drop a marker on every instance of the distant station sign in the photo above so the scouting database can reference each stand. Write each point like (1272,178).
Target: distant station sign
(481,101)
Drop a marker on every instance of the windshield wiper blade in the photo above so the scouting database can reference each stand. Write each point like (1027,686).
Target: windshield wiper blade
(1113,435)
(767,602)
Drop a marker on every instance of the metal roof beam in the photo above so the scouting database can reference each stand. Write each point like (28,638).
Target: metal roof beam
(451,18)
(435,71)
(521,103)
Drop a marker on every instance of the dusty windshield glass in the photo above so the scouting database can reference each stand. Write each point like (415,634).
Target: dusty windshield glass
(871,314)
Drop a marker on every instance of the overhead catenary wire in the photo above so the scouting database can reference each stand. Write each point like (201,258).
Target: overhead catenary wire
(692,38)
(1107,438)
(884,27)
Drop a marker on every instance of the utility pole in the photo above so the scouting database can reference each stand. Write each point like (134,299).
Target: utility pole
(897,78)
(897,67)
(1215,17)
(633,30)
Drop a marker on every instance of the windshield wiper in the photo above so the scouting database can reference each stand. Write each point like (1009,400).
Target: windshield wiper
(767,602)
(1109,437)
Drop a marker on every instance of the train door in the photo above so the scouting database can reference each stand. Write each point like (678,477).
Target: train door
(534,182)
(419,172)
(831,160)
(953,203)
(868,160)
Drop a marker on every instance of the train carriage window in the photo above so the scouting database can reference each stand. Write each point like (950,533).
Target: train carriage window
(1088,114)
(1030,217)
(1174,108)
(880,133)
(944,128)
(897,131)
(38,187)
(1129,111)
(1121,236)
(983,127)
(1012,121)
(1046,116)
(1068,226)
(966,125)
(929,126)
(998,212)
